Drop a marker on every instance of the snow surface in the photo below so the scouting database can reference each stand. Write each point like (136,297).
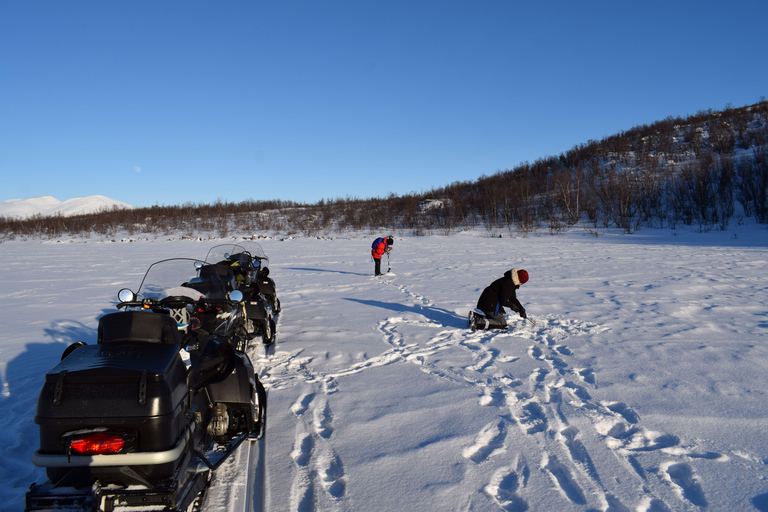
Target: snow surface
(49,206)
(641,387)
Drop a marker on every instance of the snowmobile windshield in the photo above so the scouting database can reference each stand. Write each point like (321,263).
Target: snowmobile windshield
(243,253)
(182,277)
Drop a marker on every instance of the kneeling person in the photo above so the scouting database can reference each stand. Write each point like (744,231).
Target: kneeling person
(489,313)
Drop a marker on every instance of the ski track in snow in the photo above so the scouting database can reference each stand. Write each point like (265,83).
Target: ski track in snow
(544,419)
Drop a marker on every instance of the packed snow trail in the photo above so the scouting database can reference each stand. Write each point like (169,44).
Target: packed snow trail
(238,485)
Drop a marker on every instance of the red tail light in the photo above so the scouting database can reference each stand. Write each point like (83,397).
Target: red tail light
(98,444)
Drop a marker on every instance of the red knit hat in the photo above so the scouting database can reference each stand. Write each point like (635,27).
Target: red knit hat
(519,276)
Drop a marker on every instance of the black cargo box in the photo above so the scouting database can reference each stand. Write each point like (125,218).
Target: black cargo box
(133,385)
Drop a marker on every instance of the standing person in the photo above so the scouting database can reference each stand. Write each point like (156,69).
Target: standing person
(500,293)
(380,246)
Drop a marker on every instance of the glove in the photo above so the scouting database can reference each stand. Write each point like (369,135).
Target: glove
(522,313)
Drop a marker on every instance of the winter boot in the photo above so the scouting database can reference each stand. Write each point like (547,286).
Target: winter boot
(477,321)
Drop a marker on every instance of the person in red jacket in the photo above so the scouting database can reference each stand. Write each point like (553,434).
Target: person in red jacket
(380,246)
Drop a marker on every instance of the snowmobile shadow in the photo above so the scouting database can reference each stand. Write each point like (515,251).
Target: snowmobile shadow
(38,358)
(70,331)
(328,270)
(267,350)
(20,384)
(760,502)
(26,371)
(441,316)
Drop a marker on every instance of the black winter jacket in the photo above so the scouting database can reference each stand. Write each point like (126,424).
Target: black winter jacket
(498,294)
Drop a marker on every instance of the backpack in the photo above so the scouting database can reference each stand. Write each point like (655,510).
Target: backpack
(377,242)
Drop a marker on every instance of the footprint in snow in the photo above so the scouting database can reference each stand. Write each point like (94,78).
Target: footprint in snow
(322,420)
(300,406)
(585,375)
(489,441)
(302,448)
(312,454)
(535,352)
(531,416)
(331,473)
(686,482)
(614,505)
(653,505)
(563,480)
(623,410)
(568,436)
(503,489)
(493,396)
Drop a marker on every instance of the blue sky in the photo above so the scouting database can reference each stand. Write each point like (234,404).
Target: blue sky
(164,102)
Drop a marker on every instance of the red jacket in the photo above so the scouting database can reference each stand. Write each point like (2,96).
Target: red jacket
(378,251)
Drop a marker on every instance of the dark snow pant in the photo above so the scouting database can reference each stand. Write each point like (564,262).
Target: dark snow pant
(495,321)
(377,265)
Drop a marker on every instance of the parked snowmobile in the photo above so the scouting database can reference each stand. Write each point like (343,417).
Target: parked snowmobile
(250,266)
(144,417)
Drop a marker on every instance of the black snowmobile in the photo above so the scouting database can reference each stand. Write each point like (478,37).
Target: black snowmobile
(250,268)
(142,419)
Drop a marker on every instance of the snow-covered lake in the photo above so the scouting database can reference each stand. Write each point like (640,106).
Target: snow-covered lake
(642,386)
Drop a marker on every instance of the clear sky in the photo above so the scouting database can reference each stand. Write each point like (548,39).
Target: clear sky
(164,102)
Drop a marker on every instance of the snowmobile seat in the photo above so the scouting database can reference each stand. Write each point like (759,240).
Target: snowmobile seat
(142,326)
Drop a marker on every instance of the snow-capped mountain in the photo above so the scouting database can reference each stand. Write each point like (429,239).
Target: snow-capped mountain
(49,206)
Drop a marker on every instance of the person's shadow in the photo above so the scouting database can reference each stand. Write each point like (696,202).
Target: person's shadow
(441,316)
(327,270)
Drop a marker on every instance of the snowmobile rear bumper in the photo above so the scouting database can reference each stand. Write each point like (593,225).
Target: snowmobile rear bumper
(117,459)
(169,497)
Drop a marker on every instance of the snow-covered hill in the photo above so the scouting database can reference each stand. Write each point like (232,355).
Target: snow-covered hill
(49,206)
(641,386)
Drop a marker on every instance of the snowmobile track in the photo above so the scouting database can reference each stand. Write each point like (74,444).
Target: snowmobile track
(244,486)
(255,477)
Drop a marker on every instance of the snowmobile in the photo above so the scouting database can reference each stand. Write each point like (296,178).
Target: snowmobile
(144,417)
(250,266)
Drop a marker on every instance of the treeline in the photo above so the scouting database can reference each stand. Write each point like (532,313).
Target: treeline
(676,172)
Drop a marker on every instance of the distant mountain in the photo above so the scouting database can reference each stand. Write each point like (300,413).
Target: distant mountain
(49,206)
